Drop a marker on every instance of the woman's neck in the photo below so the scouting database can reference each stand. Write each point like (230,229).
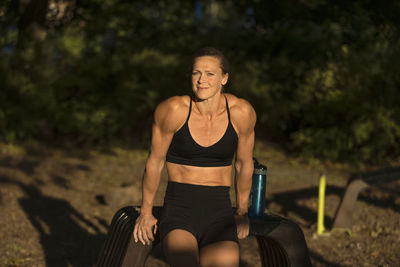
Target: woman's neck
(209,107)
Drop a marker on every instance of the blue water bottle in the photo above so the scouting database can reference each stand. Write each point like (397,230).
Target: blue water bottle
(258,189)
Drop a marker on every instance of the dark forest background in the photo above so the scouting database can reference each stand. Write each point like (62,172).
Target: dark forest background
(323,75)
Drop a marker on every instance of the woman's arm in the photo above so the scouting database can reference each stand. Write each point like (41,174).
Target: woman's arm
(244,156)
(245,118)
(166,120)
(154,166)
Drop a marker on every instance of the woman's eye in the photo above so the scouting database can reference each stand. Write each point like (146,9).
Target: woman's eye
(194,73)
(210,74)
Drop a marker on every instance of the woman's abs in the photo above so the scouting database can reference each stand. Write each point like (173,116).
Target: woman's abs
(212,176)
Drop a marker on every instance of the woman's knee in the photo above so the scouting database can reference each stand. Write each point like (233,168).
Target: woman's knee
(180,239)
(181,249)
(224,254)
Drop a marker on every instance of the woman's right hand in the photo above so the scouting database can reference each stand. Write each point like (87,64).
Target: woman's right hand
(143,228)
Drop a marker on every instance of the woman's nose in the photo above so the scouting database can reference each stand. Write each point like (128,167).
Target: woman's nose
(202,78)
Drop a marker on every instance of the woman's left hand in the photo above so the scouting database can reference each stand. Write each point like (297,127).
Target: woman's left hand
(243,225)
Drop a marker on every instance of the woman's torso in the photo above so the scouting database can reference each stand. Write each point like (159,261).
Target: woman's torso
(202,148)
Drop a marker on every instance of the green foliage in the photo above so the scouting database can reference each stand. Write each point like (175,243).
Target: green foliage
(322,75)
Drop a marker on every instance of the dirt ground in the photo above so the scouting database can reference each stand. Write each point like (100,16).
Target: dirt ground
(53,213)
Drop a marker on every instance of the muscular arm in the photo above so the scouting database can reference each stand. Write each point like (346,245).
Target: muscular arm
(166,121)
(244,155)
(164,126)
(154,165)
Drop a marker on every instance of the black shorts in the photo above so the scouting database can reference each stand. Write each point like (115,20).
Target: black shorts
(204,211)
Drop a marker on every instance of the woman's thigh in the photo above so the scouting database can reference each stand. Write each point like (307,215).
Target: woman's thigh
(181,249)
(223,253)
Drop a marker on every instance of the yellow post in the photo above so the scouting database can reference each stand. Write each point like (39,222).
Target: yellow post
(321,205)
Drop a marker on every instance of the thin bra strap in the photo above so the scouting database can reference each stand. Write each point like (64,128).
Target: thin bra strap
(190,110)
(227,109)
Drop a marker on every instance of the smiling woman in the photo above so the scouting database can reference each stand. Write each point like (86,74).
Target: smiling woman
(207,77)
(199,135)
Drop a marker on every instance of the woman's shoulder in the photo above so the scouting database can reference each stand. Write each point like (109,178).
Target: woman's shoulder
(172,111)
(239,105)
(242,112)
(174,104)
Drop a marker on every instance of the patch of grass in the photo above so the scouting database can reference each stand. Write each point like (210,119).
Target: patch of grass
(133,154)
(14,262)
(12,150)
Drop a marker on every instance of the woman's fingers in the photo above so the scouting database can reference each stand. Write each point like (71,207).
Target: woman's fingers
(155,229)
(149,236)
(242,222)
(145,237)
(140,236)
(143,230)
(135,233)
(243,234)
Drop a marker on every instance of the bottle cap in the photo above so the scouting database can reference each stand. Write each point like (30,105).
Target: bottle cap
(259,168)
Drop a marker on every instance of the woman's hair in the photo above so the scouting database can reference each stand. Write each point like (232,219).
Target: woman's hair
(213,52)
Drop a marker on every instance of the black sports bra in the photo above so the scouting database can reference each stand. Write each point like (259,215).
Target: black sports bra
(184,150)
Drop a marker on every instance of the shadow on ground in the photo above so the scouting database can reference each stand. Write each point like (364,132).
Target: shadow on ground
(289,201)
(318,258)
(66,236)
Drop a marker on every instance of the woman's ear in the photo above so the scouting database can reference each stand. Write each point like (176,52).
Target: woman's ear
(225,79)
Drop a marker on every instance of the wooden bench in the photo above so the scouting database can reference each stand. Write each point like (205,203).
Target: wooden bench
(281,242)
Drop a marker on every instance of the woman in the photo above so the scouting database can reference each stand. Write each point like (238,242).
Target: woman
(198,136)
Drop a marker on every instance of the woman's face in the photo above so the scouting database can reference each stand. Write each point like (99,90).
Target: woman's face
(207,77)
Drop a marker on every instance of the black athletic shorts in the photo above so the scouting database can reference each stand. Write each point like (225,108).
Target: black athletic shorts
(204,211)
